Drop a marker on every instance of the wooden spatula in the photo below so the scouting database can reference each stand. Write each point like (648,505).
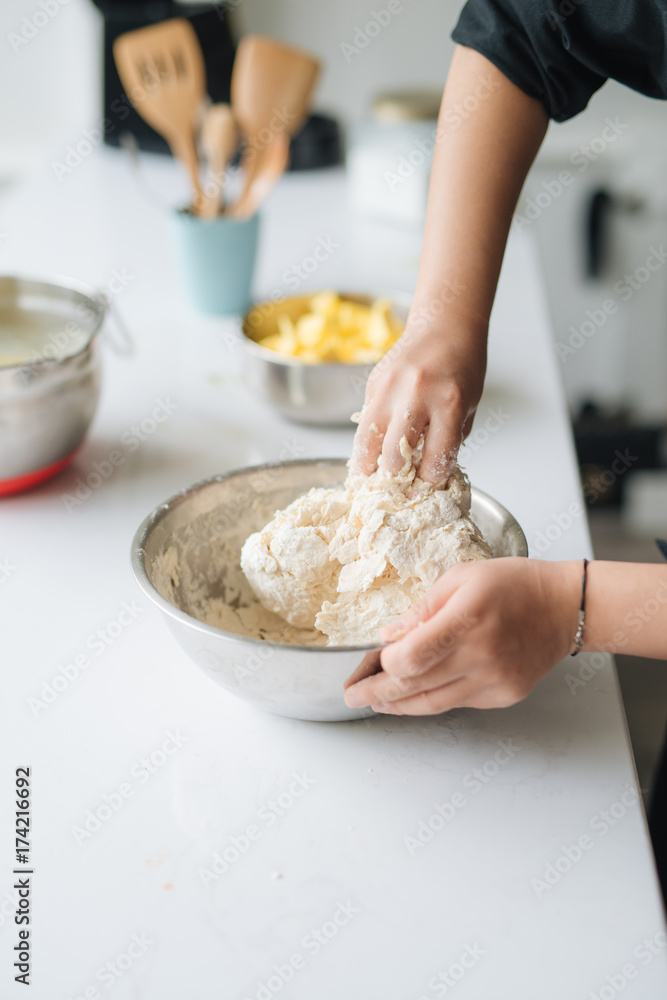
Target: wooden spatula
(219,141)
(271,88)
(162,70)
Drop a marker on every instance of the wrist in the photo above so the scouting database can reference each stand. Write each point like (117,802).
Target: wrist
(432,317)
(563,594)
(447,346)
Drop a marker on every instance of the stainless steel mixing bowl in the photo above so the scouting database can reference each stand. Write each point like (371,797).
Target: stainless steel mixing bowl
(47,399)
(321,394)
(302,682)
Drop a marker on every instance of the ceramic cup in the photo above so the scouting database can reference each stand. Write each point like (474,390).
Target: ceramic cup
(217,260)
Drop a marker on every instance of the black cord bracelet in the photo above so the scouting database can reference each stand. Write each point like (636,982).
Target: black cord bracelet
(579,635)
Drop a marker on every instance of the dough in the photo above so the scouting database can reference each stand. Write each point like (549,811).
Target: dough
(346,561)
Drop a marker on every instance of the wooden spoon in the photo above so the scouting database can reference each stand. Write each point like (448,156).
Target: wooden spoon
(219,140)
(271,88)
(162,70)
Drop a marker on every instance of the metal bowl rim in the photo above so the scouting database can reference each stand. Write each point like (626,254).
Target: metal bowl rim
(69,284)
(151,521)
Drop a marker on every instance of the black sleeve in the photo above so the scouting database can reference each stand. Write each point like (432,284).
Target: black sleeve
(562,51)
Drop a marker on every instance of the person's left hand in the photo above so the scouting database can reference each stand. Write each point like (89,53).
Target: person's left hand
(481,637)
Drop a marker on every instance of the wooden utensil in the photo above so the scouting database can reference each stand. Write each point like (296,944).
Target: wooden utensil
(219,140)
(271,88)
(162,70)
(273,164)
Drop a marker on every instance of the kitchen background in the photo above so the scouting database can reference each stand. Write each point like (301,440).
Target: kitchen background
(596,201)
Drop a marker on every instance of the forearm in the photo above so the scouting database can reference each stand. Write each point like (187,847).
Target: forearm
(626,608)
(431,381)
(488,135)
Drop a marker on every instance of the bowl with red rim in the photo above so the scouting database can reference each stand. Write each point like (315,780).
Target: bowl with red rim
(49,376)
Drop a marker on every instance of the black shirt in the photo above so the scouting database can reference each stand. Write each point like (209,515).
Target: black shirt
(562,51)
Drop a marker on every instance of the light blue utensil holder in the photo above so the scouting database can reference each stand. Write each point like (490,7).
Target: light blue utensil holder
(217,260)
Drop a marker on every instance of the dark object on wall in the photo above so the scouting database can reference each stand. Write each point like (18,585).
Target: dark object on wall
(597,232)
(318,144)
(212,29)
(598,215)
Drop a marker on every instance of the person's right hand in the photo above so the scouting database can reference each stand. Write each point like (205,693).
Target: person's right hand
(429,382)
(483,635)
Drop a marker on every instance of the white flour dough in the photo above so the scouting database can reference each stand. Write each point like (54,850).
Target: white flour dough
(348,560)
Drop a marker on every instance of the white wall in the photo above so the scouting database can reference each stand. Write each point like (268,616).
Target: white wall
(624,363)
(413,50)
(50,88)
(50,84)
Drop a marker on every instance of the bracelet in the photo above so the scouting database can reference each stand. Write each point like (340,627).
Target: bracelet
(579,634)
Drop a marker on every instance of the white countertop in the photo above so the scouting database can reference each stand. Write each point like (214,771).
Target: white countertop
(391,916)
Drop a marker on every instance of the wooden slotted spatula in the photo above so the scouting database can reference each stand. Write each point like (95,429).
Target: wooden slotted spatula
(162,70)
(271,88)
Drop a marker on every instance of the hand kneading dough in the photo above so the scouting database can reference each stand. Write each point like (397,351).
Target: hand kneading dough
(348,560)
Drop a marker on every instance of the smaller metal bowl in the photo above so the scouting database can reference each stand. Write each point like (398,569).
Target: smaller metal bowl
(186,555)
(50,383)
(321,394)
